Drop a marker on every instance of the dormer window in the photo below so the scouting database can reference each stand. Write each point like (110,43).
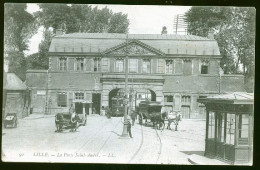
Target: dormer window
(204,67)
(79,64)
(169,66)
(97,64)
(63,64)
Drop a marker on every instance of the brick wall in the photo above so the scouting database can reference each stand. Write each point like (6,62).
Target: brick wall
(36,79)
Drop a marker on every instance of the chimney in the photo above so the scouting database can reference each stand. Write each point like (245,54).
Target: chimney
(59,32)
(164,30)
(211,34)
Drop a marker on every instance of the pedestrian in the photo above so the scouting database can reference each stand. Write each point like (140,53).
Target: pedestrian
(129,127)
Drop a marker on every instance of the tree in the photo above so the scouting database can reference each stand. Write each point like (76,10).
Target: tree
(40,60)
(73,18)
(234,30)
(18,29)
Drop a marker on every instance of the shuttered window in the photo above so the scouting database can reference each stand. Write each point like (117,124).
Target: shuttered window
(105,64)
(146,66)
(133,65)
(161,65)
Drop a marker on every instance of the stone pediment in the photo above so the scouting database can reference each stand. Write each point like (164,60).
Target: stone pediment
(133,48)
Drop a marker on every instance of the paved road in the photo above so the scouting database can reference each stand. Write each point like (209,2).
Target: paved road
(99,141)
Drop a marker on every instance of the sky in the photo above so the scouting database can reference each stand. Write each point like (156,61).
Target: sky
(144,19)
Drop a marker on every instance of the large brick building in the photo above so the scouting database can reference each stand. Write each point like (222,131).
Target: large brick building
(173,69)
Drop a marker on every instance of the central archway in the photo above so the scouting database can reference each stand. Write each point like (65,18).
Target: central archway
(136,96)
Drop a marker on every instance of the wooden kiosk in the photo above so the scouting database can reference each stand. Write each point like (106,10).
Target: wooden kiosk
(229,127)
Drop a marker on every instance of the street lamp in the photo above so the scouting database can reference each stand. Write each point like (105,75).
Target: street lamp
(124,133)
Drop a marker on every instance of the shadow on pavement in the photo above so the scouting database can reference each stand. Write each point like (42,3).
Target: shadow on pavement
(201,153)
(115,133)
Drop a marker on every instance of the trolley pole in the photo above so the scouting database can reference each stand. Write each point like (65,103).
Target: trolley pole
(124,133)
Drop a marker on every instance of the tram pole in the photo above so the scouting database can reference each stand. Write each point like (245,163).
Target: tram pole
(124,133)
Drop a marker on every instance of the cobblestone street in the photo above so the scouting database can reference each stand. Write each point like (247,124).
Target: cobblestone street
(35,140)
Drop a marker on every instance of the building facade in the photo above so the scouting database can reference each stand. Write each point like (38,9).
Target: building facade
(173,69)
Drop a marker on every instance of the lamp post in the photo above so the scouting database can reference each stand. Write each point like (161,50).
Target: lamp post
(124,133)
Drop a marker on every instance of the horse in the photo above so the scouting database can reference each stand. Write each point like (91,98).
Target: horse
(174,119)
(158,119)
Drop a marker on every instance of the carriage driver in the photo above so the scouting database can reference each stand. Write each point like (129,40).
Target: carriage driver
(72,109)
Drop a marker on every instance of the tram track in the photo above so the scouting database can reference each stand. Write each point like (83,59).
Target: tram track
(90,140)
(160,151)
(142,143)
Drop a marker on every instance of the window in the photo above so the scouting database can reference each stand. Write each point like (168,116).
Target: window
(187,67)
(96,64)
(62,99)
(211,127)
(146,66)
(105,64)
(243,129)
(79,95)
(168,98)
(186,100)
(119,65)
(79,64)
(63,64)
(169,66)
(204,69)
(230,131)
(161,63)
(220,127)
(133,65)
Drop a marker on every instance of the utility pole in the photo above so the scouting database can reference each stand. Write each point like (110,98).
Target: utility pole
(124,133)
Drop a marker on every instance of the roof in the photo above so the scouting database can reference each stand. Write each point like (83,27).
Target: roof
(166,43)
(230,98)
(14,83)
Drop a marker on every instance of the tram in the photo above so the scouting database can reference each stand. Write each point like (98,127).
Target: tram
(118,106)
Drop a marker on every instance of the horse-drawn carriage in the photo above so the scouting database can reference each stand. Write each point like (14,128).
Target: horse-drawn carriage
(151,112)
(67,121)
(71,120)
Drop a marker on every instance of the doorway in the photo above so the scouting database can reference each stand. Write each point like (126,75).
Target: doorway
(96,99)
(79,108)
(185,112)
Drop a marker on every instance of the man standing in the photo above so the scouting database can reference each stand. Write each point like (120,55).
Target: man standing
(129,126)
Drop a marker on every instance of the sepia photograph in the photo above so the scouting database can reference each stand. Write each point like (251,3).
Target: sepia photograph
(128,84)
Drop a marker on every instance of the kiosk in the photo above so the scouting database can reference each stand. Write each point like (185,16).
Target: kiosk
(229,127)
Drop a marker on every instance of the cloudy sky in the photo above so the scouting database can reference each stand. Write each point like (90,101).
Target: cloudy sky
(144,19)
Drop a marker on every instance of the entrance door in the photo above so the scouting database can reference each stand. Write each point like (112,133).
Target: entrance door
(96,99)
(79,108)
(185,112)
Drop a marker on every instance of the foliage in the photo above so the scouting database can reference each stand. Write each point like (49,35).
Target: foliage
(234,30)
(73,18)
(18,29)
(40,60)
(81,18)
